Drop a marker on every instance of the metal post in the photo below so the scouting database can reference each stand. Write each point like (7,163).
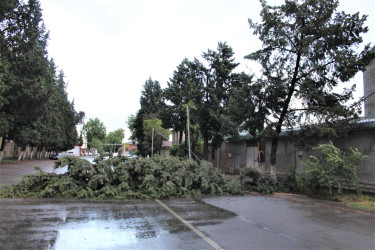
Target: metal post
(218,158)
(152,143)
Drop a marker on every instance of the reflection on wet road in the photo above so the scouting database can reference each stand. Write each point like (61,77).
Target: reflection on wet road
(244,222)
(100,224)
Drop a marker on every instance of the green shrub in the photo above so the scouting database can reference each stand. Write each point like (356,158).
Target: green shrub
(178,150)
(332,169)
(251,179)
(233,187)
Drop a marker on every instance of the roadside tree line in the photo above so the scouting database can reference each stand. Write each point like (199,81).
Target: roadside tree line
(34,106)
(309,50)
(97,137)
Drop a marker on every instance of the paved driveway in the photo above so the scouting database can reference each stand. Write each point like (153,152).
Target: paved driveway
(246,222)
(241,222)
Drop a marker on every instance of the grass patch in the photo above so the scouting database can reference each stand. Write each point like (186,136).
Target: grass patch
(348,198)
(358,201)
(8,161)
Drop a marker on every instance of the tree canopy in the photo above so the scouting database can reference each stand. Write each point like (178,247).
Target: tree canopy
(207,88)
(94,129)
(154,135)
(152,107)
(34,105)
(309,48)
(114,137)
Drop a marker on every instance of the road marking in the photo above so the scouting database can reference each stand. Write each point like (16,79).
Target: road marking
(247,220)
(195,230)
(288,237)
(266,228)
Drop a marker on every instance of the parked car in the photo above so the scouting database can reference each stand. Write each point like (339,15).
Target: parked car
(132,156)
(55,156)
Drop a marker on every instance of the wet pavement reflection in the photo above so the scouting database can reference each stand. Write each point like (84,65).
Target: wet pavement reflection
(234,222)
(69,224)
(245,222)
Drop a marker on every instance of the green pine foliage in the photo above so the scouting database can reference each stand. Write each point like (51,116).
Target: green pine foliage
(123,178)
(308,49)
(152,107)
(252,180)
(34,105)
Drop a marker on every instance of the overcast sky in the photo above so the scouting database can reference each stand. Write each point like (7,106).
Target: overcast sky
(109,48)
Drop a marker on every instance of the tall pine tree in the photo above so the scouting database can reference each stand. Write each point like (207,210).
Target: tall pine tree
(308,49)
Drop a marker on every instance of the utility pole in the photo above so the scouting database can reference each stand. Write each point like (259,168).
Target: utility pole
(188,129)
(152,143)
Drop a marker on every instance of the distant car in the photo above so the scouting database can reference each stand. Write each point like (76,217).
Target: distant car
(55,156)
(132,156)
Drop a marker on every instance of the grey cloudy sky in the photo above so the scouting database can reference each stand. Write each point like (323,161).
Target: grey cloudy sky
(109,48)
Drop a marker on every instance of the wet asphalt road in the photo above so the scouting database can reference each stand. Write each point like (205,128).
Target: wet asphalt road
(10,172)
(245,222)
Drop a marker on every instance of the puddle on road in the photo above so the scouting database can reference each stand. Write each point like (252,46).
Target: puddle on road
(95,234)
(102,224)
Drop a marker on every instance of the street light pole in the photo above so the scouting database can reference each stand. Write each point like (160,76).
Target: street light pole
(152,143)
(188,129)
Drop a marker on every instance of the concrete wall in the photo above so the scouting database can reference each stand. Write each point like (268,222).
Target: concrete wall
(76,151)
(12,151)
(220,159)
(237,156)
(230,158)
(292,154)
(164,152)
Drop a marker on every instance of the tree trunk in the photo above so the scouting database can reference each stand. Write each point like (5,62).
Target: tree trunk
(180,135)
(1,148)
(39,152)
(31,153)
(42,153)
(205,146)
(20,155)
(275,142)
(24,153)
(283,114)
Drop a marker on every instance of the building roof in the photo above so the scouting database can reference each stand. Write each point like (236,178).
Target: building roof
(362,123)
(240,137)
